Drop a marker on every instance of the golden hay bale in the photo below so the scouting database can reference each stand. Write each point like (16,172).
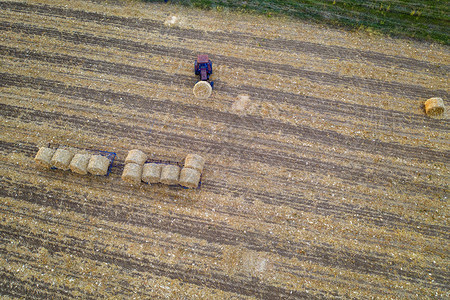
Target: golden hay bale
(151,173)
(194,161)
(98,165)
(44,156)
(79,163)
(170,174)
(434,106)
(189,178)
(202,90)
(132,173)
(61,159)
(136,156)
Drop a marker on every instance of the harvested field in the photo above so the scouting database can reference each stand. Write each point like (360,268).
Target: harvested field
(324,178)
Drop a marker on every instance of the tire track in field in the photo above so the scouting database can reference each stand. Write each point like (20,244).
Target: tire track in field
(322,206)
(12,286)
(283,266)
(398,172)
(327,137)
(415,187)
(319,206)
(279,44)
(287,269)
(369,164)
(372,85)
(237,151)
(184,225)
(373,114)
(18,285)
(317,104)
(159,268)
(40,242)
(176,140)
(314,103)
(137,237)
(132,237)
(234,213)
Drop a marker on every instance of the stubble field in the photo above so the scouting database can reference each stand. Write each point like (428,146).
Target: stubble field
(323,178)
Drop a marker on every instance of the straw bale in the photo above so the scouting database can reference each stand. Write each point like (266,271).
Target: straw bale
(61,159)
(170,174)
(434,106)
(202,90)
(132,173)
(98,165)
(194,161)
(136,156)
(189,178)
(151,173)
(79,163)
(44,157)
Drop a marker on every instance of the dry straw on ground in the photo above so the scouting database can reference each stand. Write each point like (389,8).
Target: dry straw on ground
(61,159)
(44,157)
(189,178)
(264,182)
(98,165)
(241,104)
(170,174)
(434,106)
(79,163)
(151,173)
(194,161)
(132,173)
(202,90)
(136,156)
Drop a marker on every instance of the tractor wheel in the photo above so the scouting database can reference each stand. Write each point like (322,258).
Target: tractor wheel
(202,90)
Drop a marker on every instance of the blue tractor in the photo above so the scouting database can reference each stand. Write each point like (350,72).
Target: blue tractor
(203,67)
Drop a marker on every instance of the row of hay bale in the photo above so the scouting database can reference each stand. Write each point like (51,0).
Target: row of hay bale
(136,170)
(70,159)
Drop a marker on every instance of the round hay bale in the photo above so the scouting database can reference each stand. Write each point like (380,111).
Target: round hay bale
(434,106)
(44,156)
(202,90)
(151,173)
(132,173)
(98,165)
(170,174)
(136,156)
(189,178)
(194,161)
(80,163)
(61,159)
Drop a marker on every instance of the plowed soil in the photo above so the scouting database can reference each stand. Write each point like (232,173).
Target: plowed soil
(324,178)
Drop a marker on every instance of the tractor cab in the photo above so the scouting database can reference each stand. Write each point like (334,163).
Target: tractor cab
(203,67)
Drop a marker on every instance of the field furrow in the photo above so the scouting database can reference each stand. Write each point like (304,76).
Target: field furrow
(324,177)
